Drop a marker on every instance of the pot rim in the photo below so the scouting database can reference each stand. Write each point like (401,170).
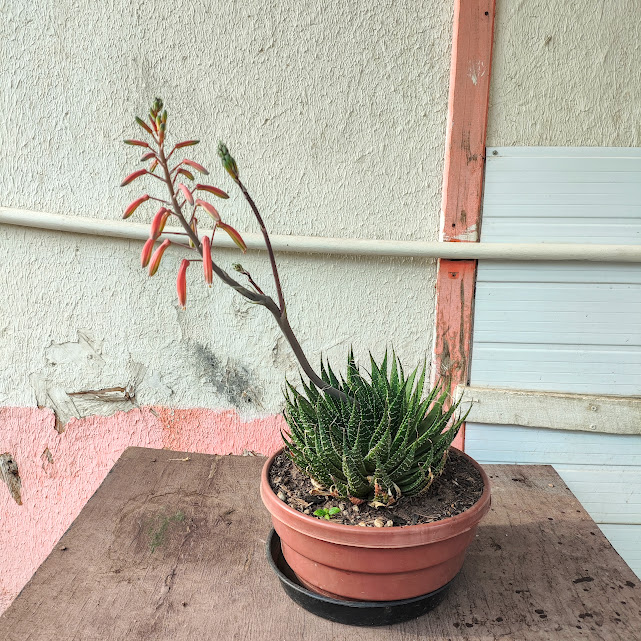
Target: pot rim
(395,537)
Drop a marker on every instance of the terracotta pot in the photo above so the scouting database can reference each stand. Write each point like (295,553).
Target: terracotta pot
(373,564)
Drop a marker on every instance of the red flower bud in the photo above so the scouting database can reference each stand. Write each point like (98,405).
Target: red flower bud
(209,208)
(184,172)
(137,143)
(186,193)
(181,283)
(148,156)
(186,143)
(212,190)
(228,162)
(234,235)
(196,166)
(154,262)
(144,125)
(194,227)
(159,221)
(131,177)
(147,248)
(207,262)
(134,205)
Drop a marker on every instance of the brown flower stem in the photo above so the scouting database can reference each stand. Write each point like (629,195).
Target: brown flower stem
(247,275)
(270,251)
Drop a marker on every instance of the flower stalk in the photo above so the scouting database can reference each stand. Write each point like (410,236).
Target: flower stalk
(157,129)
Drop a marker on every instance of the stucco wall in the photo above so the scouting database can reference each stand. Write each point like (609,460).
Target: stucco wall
(566,74)
(336,115)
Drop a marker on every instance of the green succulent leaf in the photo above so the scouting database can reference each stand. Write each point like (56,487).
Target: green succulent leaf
(389,441)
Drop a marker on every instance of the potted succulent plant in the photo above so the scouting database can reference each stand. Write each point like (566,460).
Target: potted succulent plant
(364,454)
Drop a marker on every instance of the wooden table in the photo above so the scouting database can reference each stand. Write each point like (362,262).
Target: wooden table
(171,546)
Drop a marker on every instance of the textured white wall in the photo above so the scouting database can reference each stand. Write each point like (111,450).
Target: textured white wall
(336,115)
(566,73)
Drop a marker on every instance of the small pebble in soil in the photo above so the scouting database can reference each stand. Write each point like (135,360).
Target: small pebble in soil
(281,495)
(390,523)
(379,523)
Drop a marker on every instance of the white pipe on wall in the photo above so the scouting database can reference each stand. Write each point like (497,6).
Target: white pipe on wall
(343,246)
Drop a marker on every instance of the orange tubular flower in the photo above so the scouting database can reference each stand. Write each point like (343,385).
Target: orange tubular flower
(131,177)
(209,208)
(194,227)
(184,172)
(196,166)
(207,262)
(142,123)
(134,205)
(181,283)
(234,235)
(158,222)
(186,143)
(154,262)
(136,143)
(146,252)
(212,190)
(186,193)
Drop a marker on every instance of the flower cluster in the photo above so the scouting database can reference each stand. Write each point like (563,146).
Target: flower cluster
(183,203)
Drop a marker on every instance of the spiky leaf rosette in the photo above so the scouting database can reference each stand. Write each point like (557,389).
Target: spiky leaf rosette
(388,442)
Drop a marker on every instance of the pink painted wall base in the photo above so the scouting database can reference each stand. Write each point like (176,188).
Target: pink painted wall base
(60,472)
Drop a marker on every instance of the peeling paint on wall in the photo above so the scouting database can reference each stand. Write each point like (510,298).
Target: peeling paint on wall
(60,471)
(10,476)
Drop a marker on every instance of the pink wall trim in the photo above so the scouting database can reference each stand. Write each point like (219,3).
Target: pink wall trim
(59,472)
(472,38)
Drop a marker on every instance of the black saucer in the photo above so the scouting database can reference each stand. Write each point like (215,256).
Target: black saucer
(362,613)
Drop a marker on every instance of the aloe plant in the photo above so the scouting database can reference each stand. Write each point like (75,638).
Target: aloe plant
(388,442)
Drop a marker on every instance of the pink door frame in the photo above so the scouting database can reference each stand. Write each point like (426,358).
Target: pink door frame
(472,40)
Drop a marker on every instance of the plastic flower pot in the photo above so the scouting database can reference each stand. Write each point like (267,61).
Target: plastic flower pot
(373,564)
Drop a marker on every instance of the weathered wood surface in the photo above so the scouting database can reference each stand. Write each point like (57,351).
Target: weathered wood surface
(552,410)
(472,38)
(169,548)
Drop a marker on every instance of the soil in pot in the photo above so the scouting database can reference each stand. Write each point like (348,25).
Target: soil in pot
(457,489)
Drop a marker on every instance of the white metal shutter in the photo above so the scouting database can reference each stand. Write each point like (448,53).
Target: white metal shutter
(564,327)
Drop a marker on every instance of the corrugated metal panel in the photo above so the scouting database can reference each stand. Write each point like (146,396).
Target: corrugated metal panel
(538,446)
(596,485)
(575,195)
(626,540)
(549,272)
(558,367)
(570,327)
